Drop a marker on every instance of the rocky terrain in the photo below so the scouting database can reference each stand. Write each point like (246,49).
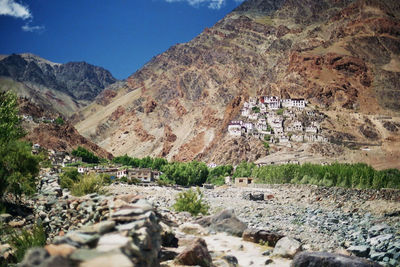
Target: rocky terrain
(262,226)
(341,56)
(51,135)
(61,87)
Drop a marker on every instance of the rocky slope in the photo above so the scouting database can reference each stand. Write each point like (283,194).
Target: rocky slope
(342,56)
(50,135)
(61,87)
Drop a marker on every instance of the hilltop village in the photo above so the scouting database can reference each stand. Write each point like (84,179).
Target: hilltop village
(278,120)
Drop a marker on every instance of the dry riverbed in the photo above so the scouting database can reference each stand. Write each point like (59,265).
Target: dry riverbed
(365,222)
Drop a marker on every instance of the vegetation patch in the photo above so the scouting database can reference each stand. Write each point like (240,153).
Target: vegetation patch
(25,239)
(192,202)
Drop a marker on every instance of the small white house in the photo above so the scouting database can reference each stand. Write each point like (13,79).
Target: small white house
(312,129)
(245,112)
(83,169)
(253,116)
(273,102)
(235,130)
(36,146)
(283,139)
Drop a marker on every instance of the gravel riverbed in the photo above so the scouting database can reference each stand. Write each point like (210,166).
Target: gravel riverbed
(365,222)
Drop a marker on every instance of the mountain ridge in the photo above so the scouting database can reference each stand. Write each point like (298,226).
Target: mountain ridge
(66,86)
(342,56)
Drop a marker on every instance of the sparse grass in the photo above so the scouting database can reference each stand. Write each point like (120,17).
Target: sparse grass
(88,184)
(25,239)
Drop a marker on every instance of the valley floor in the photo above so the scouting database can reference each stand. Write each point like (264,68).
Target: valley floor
(324,219)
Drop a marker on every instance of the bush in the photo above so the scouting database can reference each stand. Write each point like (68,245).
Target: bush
(18,168)
(192,202)
(69,177)
(59,121)
(23,240)
(88,184)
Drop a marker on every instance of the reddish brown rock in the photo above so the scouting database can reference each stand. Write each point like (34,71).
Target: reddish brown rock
(196,254)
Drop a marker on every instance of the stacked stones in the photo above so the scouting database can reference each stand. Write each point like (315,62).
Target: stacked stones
(130,237)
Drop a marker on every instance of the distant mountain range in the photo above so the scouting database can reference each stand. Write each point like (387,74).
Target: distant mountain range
(63,87)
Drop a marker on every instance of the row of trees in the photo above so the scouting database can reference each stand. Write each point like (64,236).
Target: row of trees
(147,162)
(358,175)
(196,173)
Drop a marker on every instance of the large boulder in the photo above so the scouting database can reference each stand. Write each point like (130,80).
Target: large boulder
(261,236)
(314,259)
(195,254)
(287,247)
(225,221)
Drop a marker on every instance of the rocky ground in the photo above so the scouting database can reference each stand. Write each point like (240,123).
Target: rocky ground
(135,226)
(365,222)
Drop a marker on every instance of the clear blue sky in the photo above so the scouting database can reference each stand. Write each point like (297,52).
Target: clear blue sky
(119,35)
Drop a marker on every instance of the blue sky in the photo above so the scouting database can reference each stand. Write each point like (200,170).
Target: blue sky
(119,35)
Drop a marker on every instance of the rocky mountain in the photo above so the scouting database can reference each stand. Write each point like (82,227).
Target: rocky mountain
(41,129)
(63,87)
(342,56)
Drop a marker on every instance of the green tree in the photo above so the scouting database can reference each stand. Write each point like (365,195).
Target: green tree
(244,169)
(10,122)
(18,167)
(86,155)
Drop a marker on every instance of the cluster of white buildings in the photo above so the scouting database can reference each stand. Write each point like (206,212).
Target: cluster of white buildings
(261,118)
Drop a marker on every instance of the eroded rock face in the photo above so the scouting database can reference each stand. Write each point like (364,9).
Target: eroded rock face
(340,55)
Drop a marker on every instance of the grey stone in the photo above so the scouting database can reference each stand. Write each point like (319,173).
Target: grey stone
(231,260)
(360,251)
(287,247)
(311,259)
(113,260)
(225,221)
(98,228)
(111,242)
(84,254)
(5,218)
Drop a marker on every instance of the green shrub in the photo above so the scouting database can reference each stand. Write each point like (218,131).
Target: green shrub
(69,177)
(88,184)
(22,240)
(192,202)
(59,121)
(256,109)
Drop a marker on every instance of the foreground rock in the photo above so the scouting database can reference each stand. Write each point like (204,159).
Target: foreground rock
(225,221)
(132,237)
(307,259)
(287,247)
(196,254)
(261,236)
